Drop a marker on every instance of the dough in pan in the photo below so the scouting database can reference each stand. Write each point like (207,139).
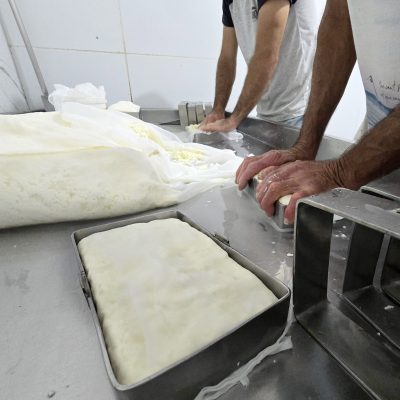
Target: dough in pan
(164,290)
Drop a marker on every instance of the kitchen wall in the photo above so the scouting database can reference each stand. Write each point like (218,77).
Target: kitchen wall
(156,53)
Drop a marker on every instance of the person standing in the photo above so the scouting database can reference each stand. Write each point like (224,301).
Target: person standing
(277,39)
(351,30)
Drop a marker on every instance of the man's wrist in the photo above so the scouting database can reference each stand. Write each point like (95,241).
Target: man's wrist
(219,111)
(303,151)
(341,174)
(236,118)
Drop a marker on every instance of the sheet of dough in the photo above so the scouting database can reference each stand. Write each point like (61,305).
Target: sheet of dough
(90,163)
(164,290)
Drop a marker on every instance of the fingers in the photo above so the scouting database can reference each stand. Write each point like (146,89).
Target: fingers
(290,211)
(267,171)
(275,191)
(254,165)
(269,178)
(249,172)
(206,121)
(210,119)
(243,167)
(222,125)
(208,127)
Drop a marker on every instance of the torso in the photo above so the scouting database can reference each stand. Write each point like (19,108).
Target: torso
(287,94)
(376,31)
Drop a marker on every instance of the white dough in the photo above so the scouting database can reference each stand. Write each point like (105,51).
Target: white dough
(285,200)
(164,290)
(89,163)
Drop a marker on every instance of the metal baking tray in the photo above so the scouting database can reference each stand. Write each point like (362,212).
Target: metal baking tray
(210,364)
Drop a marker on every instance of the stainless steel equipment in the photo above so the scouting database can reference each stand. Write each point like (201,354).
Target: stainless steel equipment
(32,55)
(358,325)
(387,187)
(193,112)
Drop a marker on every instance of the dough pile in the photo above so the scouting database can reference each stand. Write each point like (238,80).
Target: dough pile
(164,290)
(89,163)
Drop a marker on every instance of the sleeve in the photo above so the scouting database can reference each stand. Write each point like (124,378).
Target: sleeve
(261,2)
(226,13)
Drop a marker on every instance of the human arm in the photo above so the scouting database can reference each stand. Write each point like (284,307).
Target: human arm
(334,60)
(272,19)
(225,76)
(375,155)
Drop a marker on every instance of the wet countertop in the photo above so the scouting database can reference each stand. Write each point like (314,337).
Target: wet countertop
(48,342)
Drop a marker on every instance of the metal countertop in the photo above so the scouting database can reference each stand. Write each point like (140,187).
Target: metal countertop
(48,341)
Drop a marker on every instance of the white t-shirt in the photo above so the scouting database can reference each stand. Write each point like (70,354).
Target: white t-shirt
(287,94)
(376,31)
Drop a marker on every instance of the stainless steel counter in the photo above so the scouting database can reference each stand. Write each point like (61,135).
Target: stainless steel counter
(48,343)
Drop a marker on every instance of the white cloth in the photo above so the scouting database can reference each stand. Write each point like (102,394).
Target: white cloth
(376,31)
(287,94)
(88,163)
(84,93)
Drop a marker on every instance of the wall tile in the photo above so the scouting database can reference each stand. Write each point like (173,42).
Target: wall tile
(72,67)
(72,24)
(159,81)
(175,27)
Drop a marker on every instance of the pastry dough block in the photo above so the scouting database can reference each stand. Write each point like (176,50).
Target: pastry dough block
(164,290)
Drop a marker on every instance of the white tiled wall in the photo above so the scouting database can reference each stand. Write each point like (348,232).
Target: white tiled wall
(74,24)
(166,80)
(157,53)
(70,67)
(173,28)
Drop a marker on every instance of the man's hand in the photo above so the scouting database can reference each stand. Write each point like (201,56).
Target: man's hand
(299,178)
(212,117)
(222,125)
(262,164)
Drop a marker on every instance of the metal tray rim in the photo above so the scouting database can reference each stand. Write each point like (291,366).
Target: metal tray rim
(89,297)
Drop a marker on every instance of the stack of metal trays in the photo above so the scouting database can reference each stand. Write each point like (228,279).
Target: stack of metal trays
(184,379)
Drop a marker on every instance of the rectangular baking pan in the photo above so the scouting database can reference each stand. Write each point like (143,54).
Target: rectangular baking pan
(209,365)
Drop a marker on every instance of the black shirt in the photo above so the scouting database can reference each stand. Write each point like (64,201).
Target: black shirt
(226,12)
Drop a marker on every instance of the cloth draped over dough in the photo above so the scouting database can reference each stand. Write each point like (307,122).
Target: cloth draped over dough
(85,163)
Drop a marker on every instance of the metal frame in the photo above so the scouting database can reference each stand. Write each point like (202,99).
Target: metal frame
(31,54)
(366,347)
(387,187)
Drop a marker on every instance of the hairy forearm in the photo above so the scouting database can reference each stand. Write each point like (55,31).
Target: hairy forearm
(260,72)
(226,72)
(375,155)
(334,60)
